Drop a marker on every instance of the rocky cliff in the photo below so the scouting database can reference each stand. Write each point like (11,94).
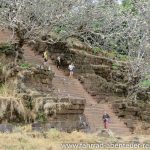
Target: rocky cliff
(102,77)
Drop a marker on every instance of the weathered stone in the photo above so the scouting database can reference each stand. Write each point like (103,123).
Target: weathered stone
(6,128)
(76,100)
(102,70)
(121,114)
(78,111)
(71,107)
(145,118)
(129,123)
(38,127)
(142,95)
(131,109)
(121,89)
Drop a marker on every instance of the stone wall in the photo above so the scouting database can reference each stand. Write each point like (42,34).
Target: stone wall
(64,113)
(103,70)
(38,79)
(102,77)
(35,101)
(135,112)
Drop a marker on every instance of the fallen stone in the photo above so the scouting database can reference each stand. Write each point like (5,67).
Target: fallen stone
(6,128)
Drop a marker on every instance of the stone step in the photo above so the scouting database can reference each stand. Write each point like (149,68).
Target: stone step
(111,124)
(72,87)
(98,113)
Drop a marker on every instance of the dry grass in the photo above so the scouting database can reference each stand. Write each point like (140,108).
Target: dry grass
(10,99)
(24,139)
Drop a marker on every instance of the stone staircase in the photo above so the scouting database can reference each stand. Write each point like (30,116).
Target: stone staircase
(65,86)
(94,115)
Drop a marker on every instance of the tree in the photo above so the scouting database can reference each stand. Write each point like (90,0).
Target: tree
(29,20)
(106,24)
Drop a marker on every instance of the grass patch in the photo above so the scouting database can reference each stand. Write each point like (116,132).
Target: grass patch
(97,50)
(53,139)
(25,66)
(111,54)
(116,55)
(145,84)
(115,67)
(122,57)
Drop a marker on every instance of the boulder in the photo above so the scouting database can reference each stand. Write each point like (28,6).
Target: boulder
(130,124)
(142,95)
(6,128)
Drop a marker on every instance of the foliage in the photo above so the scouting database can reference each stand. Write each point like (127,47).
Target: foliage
(129,5)
(105,24)
(7,49)
(145,83)
(11,102)
(97,50)
(115,67)
(25,66)
(113,54)
(41,117)
(123,57)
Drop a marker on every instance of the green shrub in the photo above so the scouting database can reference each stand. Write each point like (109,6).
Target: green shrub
(115,67)
(25,66)
(122,57)
(7,49)
(112,54)
(41,117)
(115,54)
(97,50)
(145,83)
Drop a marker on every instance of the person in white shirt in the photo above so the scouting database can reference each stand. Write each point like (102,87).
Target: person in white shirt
(58,62)
(71,69)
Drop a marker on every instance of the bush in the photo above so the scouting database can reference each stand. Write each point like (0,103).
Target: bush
(123,57)
(112,54)
(115,67)
(11,103)
(25,66)
(145,83)
(7,49)
(97,50)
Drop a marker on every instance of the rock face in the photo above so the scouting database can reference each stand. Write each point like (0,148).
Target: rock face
(102,70)
(64,114)
(135,112)
(35,101)
(38,79)
(100,77)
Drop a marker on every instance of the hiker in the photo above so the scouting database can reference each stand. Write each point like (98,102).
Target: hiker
(106,120)
(71,69)
(58,62)
(45,55)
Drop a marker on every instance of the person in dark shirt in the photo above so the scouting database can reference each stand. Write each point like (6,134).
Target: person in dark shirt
(106,120)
